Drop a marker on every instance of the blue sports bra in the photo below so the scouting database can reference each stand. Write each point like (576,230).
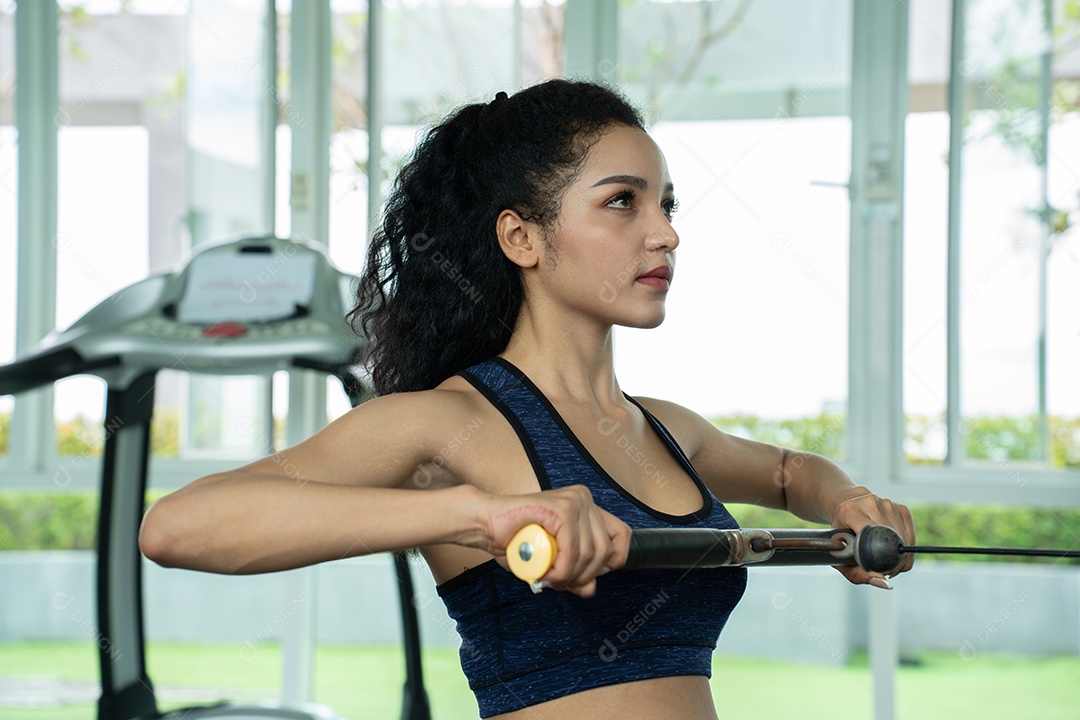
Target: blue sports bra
(519,649)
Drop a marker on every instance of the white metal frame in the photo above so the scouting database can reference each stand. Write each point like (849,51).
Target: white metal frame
(37,67)
(1013,482)
(876,355)
(310,98)
(875,343)
(879,89)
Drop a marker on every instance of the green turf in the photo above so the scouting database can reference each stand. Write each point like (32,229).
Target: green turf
(365,682)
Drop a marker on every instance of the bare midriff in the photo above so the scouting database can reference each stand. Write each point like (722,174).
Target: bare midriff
(686,697)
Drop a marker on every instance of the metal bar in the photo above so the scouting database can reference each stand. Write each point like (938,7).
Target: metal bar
(833,544)
(1045,93)
(954,453)
(374,113)
(126,690)
(37,116)
(269,110)
(414,702)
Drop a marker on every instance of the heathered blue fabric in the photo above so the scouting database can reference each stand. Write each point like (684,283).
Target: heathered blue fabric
(519,649)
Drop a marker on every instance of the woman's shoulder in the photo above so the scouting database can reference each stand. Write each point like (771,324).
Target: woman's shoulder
(445,406)
(667,411)
(684,424)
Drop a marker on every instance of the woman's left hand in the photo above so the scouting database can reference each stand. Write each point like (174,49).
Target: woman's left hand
(865,508)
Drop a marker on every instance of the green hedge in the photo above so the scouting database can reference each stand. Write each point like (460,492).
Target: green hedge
(824,434)
(86,437)
(963,525)
(987,438)
(48,521)
(40,521)
(81,436)
(67,521)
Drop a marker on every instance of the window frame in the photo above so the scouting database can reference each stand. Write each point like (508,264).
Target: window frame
(875,399)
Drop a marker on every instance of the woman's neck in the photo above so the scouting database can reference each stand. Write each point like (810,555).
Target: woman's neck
(568,360)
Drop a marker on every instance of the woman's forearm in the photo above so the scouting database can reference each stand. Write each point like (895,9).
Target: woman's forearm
(814,486)
(241,522)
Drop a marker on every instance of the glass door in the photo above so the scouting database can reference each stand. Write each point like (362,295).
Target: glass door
(750,102)
(232,117)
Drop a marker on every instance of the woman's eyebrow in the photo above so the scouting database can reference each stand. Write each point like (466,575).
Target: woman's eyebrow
(634,180)
(638,182)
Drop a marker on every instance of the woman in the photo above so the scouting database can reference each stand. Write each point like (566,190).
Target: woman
(518,235)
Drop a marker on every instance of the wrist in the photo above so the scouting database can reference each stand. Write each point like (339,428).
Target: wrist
(838,498)
(473,526)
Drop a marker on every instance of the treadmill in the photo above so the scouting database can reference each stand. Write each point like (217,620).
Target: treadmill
(249,306)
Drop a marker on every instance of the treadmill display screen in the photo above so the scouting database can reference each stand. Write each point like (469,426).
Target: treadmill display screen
(247,287)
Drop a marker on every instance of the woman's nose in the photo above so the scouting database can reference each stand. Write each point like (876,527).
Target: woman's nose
(662,237)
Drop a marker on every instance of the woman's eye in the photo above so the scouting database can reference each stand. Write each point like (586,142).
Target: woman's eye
(622,201)
(670,207)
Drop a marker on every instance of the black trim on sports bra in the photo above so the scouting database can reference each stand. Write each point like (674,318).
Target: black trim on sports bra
(673,445)
(466,577)
(665,437)
(526,441)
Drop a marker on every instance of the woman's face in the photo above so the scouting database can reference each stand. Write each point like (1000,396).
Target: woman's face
(611,253)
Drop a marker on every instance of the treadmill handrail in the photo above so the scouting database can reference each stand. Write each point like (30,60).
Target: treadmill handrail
(45,368)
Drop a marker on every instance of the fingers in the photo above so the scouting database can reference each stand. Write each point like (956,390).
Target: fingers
(868,509)
(858,576)
(589,540)
(592,549)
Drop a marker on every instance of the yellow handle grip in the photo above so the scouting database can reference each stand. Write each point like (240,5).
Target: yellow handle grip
(531,553)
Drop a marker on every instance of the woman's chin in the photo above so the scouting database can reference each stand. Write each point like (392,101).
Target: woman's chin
(645,322)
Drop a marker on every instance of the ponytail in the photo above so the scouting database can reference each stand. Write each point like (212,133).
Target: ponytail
(437,294)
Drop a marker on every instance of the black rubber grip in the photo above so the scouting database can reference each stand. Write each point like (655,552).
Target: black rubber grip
(678,548)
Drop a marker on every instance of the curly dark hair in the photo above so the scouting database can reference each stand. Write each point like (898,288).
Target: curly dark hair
(437,293)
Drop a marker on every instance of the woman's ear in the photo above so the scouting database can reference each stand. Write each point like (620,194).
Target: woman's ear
(519,239)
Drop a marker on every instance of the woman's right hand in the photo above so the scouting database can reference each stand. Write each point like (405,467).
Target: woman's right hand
(591,541)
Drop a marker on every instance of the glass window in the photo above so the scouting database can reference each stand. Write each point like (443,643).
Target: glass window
(926,225)
(1063,290)
(1001,236)
(121,200)
(752,113)
(9,194)
(444,55)
(349,138)
(101,247)
(1018,255)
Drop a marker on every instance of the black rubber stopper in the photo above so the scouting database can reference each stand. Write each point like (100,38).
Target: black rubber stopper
(877,549)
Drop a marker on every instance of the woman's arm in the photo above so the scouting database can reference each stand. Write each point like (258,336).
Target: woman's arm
(807,485)
(356,488)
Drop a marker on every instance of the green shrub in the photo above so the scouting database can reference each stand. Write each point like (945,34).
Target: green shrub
(165,433)
(998,438)
(82,436)
(824,434)
(961,525)
(55,521)
(986,438)
(67,521)
(48,521)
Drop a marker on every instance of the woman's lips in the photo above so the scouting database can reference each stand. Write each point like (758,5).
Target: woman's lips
(658,278)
